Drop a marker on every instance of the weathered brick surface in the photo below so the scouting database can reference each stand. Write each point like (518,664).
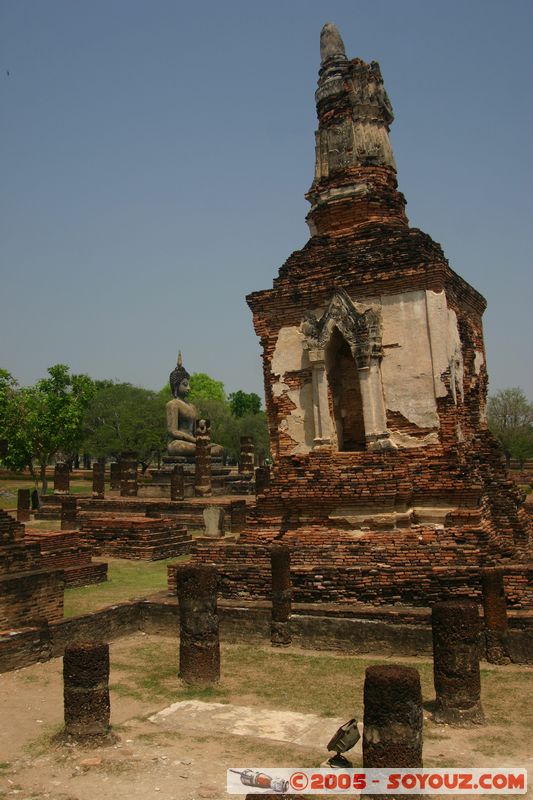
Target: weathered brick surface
(66,551)
(28,588)
(408,525)
(135,537)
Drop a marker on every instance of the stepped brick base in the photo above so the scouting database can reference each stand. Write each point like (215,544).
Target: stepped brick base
(28,589)
(65,550)
(135,537)
(383,528)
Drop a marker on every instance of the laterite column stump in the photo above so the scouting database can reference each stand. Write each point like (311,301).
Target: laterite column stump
(280,560)
(456,628)
(495,615)
(86,691)
(199,642)
(393,716)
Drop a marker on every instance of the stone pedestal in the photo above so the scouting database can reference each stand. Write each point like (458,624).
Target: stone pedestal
(86,690)
(69,514)
(128,475)
(393,717)
(246,459)
(61,479)
(456,629)
(23,505)
(202,475)
(177,483)
(99,480)
(199,642)
(114,475)
(495,615)
(280,560)
(213,521)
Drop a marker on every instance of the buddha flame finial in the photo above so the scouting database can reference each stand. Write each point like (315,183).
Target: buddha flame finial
(180,360)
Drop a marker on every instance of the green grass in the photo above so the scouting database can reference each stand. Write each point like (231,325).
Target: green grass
(9,487)
(126,581)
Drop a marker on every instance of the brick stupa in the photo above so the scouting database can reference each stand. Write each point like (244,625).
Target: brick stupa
(387,484)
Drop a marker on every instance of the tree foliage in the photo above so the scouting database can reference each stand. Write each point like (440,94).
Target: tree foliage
(243,403)
(122,417)
(510,418)
(202,387)
(43,421)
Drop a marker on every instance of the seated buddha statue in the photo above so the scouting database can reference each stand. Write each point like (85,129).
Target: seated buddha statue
(181,416)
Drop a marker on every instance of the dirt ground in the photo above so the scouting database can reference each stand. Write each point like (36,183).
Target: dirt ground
(149,761)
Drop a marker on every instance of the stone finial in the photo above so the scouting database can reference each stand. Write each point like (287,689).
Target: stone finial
(331,44)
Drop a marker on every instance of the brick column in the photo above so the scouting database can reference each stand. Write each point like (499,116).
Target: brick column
(99,480)
(128,475)
(456,628)
(69,514)
(86,690)
(238,511)
(177,483)
(246,459)
(262,479)
(202,471)
(199,642)
(114,475)
(23,505)
(280,560)
(61,479)
(393,716)
(495,615)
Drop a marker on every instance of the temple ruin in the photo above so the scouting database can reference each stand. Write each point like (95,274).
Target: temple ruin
(387,484)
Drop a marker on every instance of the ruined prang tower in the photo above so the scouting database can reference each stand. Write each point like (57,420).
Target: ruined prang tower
(387,484)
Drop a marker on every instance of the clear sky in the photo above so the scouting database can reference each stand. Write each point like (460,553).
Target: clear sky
(154,157)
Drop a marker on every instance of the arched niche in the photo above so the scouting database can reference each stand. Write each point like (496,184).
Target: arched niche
(345,393)
(345,352)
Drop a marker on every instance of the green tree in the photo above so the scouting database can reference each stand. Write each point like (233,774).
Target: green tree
(510,418)
(123,417)
(203,387)
(243,403)
(45,420)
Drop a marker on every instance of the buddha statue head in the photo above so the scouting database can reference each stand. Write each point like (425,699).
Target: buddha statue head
(179,380)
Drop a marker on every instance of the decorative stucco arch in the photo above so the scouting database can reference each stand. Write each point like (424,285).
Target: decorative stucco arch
(362,332)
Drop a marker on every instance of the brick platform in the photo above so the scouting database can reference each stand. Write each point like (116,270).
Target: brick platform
(28,589)
(65,550)
(135,537)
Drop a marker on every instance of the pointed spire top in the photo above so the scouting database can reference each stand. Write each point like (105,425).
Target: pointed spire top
(180,360)
(331,44)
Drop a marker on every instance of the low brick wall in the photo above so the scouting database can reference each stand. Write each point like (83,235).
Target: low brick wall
(357,630)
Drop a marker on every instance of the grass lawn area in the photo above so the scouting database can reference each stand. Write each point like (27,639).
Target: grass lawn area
(9,486)
(329,685)
(125,581)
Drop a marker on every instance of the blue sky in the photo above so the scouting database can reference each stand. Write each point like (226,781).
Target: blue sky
(155,156)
